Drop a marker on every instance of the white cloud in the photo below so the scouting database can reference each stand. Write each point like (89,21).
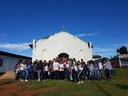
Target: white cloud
(118,45)
(17,47)
(108,50)
(103,50)
(84,35)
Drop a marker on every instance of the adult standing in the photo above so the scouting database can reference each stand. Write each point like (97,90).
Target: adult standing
(107,68)
(39,69)
(56,69)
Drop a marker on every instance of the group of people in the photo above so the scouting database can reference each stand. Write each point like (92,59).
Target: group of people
(64,69)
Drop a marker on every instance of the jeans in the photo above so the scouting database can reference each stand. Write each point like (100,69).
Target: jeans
(26,74)
(97,75)
(22,74)
(38,73)
(66,72)
(108,74)
(79,74)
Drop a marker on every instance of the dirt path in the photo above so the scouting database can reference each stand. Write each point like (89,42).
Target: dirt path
(18,89)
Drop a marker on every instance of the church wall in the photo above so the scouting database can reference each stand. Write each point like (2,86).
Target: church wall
(63,43)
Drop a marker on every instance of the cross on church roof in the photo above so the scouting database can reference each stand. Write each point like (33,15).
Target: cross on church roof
(62,28)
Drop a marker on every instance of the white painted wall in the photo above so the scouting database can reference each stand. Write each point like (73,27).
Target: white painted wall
(123,62)
(62,42)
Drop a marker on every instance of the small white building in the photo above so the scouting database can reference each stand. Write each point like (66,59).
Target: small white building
(123,60)
(9,60)
(59,44)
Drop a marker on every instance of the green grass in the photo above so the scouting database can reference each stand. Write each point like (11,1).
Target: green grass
(118,86)
(9,80)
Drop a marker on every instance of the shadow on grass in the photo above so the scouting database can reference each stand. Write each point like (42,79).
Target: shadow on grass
(122,86)
(104,91)
(3,83)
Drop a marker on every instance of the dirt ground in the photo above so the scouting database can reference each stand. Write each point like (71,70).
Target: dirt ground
(18,89)
(8,74)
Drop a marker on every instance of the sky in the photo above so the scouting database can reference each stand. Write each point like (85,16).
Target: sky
(103,22)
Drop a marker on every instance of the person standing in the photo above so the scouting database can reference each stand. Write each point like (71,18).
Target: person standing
(22,72)
(46,70)
(80,71)
(67,69)
(107,68)
(96,71)
(17,70)
(39,69)
(61,70)
(100,66)
(91,70)
(56,69)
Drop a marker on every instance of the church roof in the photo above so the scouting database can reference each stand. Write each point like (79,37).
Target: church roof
(45,38)
(60,33)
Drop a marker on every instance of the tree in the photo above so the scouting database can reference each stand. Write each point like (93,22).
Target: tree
(122,50)
(103,59)
(115,60)
(115,57)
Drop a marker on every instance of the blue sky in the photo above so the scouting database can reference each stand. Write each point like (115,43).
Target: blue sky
(103,22)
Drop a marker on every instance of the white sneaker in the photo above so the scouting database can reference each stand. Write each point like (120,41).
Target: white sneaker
(38,80)
(79,82)
(26,80)
(21,80)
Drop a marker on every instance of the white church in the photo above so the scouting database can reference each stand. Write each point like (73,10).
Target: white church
(59,45)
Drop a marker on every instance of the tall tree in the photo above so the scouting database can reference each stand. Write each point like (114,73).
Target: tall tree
(122,50)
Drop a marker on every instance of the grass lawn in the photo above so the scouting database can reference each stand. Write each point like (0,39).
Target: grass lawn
(118,86)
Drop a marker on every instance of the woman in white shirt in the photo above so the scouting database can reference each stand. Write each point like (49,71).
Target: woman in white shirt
(56,69)
(61,70)
(67,69)
(80,68)
(22,68)
(46,69)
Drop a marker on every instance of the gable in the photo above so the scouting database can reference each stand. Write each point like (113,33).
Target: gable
(65,36)
(62,35)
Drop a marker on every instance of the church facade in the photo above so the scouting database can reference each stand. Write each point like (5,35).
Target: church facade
(61,44)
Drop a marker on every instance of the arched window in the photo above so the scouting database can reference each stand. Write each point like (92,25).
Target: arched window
(44,55)
(81,54)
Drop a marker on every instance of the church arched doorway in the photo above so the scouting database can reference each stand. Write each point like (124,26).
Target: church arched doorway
(63,56)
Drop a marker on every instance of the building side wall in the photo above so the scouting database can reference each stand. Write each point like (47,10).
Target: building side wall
(124,62)
(8,63)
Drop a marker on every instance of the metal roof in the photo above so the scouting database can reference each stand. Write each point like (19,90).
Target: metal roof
(96,56)
(14,55)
